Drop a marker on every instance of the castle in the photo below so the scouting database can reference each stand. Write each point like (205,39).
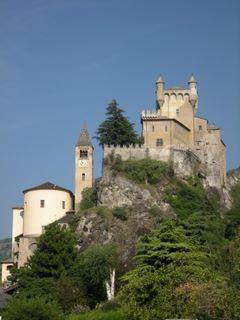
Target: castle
(172,132)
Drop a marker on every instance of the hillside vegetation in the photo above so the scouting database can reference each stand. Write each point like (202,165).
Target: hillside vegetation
(5,248)
(176,254)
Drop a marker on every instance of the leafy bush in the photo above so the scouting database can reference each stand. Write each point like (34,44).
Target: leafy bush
(232,217)
(155,211)
(34,309)
(89,198)
(143,171)
(92,269)
(100,315)
(120,213)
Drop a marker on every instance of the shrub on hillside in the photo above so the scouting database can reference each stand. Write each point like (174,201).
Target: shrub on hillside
(143,171)
(34,309)
(100,315)
(89,198)
(120,213)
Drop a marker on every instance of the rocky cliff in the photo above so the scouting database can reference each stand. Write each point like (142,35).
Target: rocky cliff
(144,208)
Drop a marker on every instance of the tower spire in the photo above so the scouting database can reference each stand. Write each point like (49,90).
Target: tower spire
(84,138)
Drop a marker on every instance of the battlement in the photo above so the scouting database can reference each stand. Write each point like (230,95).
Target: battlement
(184,159)
(151,114)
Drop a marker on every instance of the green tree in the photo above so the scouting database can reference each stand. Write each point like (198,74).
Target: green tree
(34,309)
(45,271)
(171,276)
(92,269)
(89,198)
(116,129)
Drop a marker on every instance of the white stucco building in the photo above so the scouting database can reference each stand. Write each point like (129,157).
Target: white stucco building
(45,204)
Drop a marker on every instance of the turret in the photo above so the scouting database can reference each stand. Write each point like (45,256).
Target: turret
(159,93)
(193,96)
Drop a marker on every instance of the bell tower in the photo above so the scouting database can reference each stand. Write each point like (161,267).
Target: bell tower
(83,165)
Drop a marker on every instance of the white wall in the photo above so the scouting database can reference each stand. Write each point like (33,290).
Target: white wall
(36,217)
(5,271)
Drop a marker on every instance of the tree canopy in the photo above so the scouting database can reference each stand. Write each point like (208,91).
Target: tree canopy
(116,129)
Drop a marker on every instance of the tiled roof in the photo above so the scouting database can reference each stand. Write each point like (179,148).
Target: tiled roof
(48,186)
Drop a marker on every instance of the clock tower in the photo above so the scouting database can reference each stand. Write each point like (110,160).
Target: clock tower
(83,165)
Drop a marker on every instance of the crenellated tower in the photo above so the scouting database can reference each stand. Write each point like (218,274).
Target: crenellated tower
(83,165)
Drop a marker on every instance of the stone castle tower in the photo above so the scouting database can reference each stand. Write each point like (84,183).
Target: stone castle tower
(174,132)
(83,165)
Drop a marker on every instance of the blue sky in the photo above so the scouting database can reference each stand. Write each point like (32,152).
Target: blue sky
(63,61)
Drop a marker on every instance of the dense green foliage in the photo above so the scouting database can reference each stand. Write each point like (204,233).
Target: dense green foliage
(100,315)
(143,171)
(89,198)
(171,275)
(5,248)
(116,129)
(186,268)
(233,216)
(59,274)
(120,213)
(34,309)
(92,269)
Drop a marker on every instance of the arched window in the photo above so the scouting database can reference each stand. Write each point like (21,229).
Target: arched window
(83,176)
(83,154)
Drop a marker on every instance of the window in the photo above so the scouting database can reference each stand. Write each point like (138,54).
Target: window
(159,142)
(166,128)
(83,154)
(177,112)
(83,176)
(200,127)
(42,203)
(153,128)
(63,204)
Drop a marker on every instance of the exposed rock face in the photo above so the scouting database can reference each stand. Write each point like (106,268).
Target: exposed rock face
(233,177)
(100,226)
(117,191)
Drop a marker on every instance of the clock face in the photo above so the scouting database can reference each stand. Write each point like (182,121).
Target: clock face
(82,163)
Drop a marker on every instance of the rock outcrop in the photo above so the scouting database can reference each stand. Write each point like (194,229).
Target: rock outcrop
(99,225)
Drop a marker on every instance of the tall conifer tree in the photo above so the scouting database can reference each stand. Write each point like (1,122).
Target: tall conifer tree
(116,129)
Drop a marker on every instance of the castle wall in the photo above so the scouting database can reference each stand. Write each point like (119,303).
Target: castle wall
(180,135)
(27,245)
(17,228)
(211,151)
(138,152)
(155,129)
(6,267)
(185,161)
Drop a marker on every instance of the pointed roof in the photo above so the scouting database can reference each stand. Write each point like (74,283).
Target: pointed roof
(84,138)
(47,186)
(192,79)
(160,80)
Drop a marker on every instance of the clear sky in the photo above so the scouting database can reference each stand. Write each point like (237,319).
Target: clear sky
(63,61)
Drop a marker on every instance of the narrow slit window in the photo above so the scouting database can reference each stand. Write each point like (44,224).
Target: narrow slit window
(177,112)
(200,127)
(42,203)
(83,176)
(166,128)
(153,128)
(63,204)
